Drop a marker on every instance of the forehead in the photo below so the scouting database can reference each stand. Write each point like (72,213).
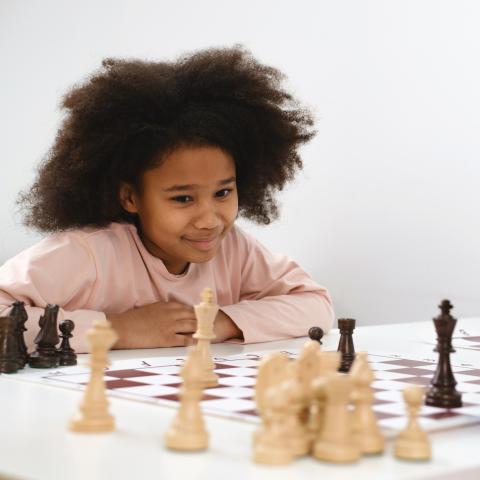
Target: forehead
(202,166)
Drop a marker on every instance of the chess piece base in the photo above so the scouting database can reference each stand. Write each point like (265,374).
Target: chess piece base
(176,439)
(93,424)
(43,361)
(444,399)
(409,449)
(331,452)
(271,454)
(371,444)
(67,360)
(7,366)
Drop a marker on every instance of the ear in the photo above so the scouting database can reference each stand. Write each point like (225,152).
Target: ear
(128,198)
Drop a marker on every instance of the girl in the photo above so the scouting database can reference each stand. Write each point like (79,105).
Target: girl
(152,165)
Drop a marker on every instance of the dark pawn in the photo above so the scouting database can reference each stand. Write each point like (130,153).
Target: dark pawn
(9,353)
(45,356)
(19,315)
(345,345)
(316,333)
(442,392)
(66,354)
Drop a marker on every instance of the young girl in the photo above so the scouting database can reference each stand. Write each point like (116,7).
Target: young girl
(152,165)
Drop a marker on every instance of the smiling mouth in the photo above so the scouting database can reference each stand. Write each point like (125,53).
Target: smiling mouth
(204,245)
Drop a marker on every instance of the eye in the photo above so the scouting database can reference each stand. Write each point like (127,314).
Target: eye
(182,199)
(223,193)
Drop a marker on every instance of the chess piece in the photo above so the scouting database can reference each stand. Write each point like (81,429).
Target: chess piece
(316,333)
(19,314)
(413,443)
(442,392)
(206,312)
(9,352)
(345,345)
(187,431)
(269,441)
(329,363)
(94,416)
(365,427)
(66,353)
(308,369)
(336,442)
(45,355)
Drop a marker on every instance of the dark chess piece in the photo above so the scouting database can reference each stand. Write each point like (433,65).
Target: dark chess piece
(9,352)
(19,315)
(442,392)
(45,356)
(66,354)
(345,345)
(316,333)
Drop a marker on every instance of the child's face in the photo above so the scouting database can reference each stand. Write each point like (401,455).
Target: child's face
(187,206)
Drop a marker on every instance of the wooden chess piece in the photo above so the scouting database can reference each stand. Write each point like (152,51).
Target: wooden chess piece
(187,431)
(94,416)
(206,312)
(45,355)
(345,345)
(365,426)
(316,333)
(270,441)
(336,442)
(66,353)
(20,316)
(413,443)
(442,392)
(9,352)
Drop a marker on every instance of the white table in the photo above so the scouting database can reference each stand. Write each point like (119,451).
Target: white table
(36,444)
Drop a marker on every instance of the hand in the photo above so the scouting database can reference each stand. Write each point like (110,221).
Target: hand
(160,324)
(225,328)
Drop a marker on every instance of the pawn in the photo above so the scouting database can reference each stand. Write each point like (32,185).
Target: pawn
(316,333)
(66,354)
(9,352)
(366,431)
(413,443)
(187,432)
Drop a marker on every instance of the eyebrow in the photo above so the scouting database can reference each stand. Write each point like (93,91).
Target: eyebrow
(181,188)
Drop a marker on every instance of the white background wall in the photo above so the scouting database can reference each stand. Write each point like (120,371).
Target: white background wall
(385,213)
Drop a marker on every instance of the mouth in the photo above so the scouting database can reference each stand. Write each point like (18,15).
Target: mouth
(203,244)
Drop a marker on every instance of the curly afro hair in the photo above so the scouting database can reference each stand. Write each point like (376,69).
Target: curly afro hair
(130,113)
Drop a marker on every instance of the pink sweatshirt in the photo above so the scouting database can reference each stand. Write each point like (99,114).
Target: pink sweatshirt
(92,272)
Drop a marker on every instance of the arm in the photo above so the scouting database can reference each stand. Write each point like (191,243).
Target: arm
(58,269)
(278,299)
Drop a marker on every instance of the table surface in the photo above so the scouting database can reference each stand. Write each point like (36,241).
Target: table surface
(36,443)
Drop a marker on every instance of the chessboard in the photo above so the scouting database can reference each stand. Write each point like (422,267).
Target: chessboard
(157,380)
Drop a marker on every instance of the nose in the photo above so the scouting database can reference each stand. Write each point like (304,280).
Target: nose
(207,217)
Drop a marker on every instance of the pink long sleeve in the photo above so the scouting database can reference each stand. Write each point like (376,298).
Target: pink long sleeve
(91,273)
(278,299)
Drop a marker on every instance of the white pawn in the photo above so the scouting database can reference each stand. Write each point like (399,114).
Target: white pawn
(335,442)
(365,427)
(94,416)
(206,312)
(187,431)
(413,443)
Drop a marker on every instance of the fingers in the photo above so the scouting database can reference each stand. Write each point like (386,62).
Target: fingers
(183,340)
(186,326)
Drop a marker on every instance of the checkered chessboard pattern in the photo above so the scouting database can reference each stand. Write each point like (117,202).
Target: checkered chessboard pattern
(157,380)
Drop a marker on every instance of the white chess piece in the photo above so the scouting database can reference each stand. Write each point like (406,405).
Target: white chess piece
(206,312)
(413,443)
(365,426)
(335,442)
(94,416)
(187,431)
